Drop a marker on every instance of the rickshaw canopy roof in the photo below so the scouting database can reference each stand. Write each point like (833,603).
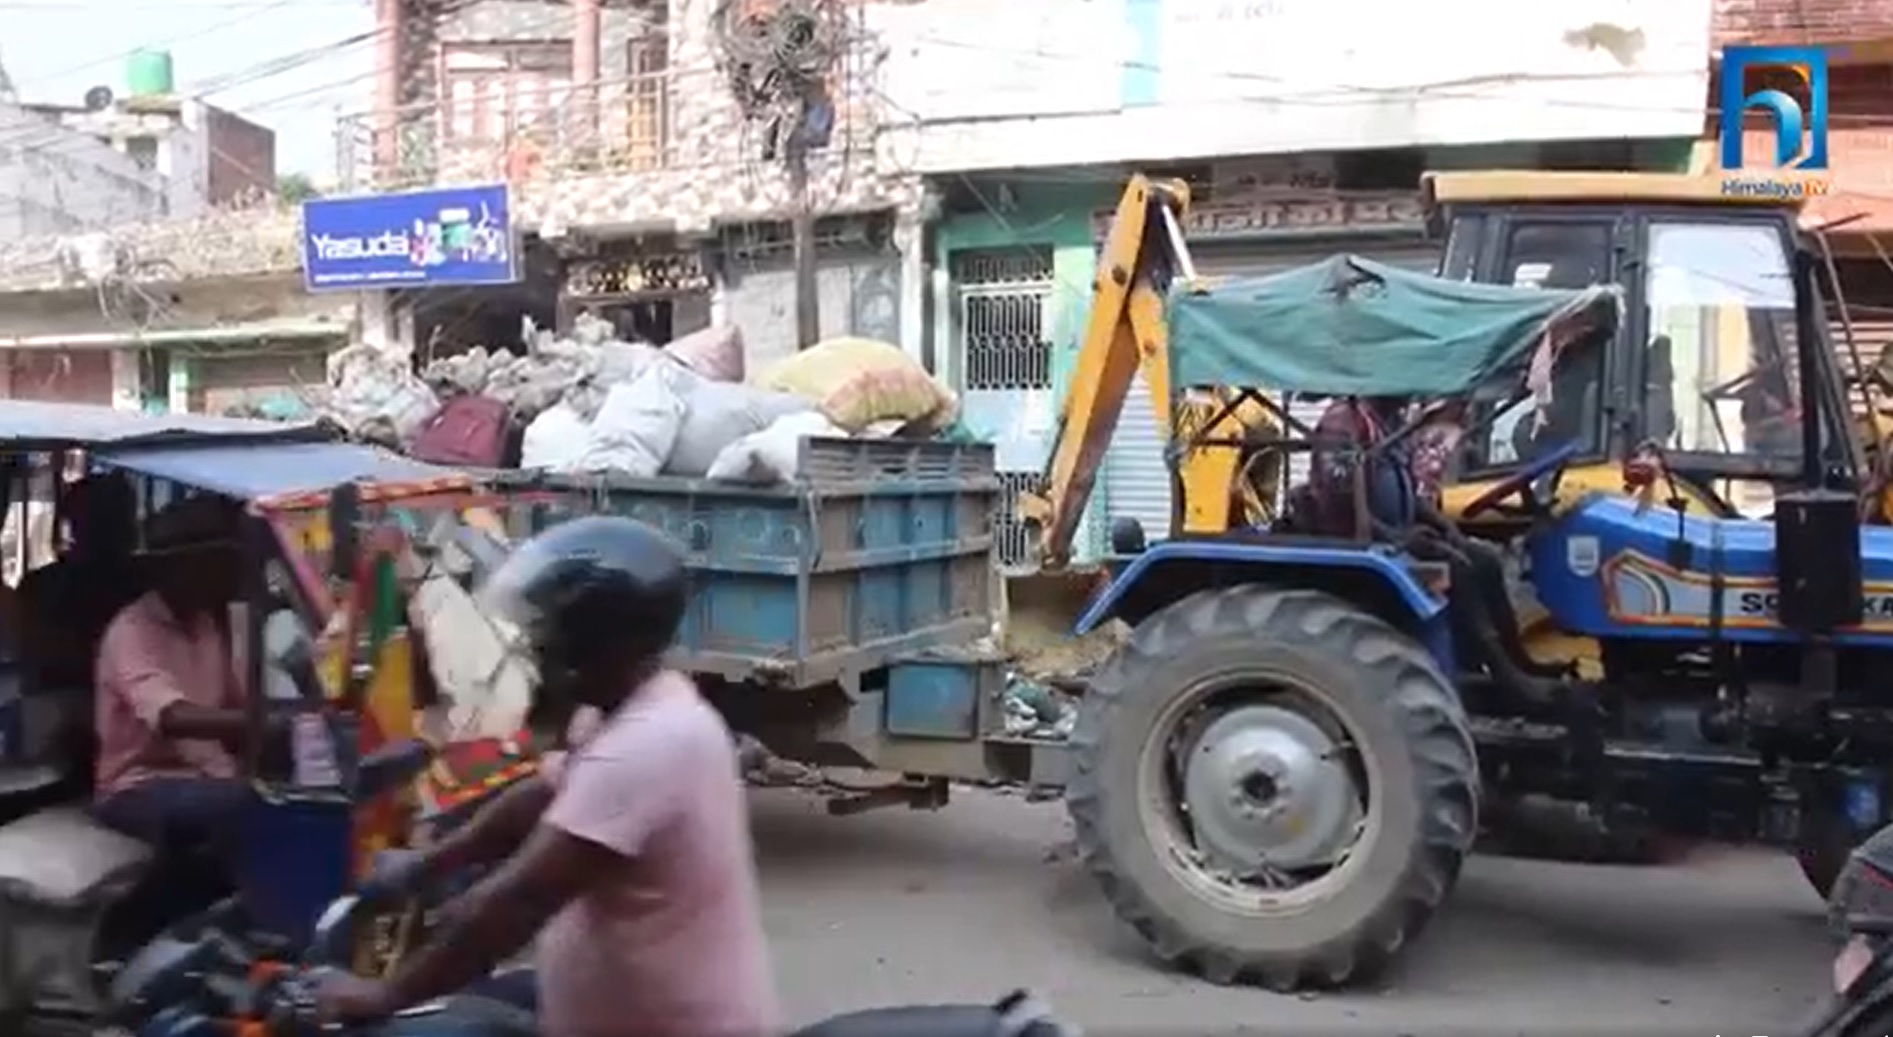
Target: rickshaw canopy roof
(237,457)
(1349,326)
(253,471)
(32,426)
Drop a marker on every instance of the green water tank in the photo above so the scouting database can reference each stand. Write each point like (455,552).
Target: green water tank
(148,73)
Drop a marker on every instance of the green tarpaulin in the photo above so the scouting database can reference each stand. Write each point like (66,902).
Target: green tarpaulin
(1348,326)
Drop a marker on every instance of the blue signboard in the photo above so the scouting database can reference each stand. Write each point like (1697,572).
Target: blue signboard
(450,236)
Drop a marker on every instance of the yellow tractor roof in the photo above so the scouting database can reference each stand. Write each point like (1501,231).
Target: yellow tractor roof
(1554,187)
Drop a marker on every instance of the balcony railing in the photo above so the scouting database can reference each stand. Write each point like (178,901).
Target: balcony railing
(651,122)
(499,131)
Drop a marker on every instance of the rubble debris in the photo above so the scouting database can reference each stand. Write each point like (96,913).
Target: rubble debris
(582,401)
(1036,710)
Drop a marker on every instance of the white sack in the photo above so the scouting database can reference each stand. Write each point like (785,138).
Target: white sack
(636,428)
(717,414)
(620,362)
(769,456)
(483,676)
(556,440)
(367,385)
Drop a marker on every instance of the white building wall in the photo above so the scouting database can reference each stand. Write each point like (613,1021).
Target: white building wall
(997,84)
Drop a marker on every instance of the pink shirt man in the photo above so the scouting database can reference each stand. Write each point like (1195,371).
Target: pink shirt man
(148,660)
(673,946)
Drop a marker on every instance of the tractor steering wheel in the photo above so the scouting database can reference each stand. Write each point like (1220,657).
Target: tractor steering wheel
(1520,483)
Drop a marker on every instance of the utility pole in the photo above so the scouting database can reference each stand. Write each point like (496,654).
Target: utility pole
(779,55)
(808,322)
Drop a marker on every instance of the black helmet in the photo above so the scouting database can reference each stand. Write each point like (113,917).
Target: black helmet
(594,590)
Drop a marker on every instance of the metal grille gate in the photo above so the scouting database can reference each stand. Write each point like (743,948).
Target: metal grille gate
(1002,297)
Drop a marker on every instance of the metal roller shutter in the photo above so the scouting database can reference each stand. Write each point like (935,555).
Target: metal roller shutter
(61,375)
(1136,480)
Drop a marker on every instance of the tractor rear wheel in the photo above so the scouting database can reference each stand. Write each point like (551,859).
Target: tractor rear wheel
(1273,786)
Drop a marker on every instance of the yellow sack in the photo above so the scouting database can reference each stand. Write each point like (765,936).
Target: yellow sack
(857,382)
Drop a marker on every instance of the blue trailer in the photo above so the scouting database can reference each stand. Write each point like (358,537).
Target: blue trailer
(848,618)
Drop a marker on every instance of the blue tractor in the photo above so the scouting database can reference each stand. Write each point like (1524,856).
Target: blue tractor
(1654,591)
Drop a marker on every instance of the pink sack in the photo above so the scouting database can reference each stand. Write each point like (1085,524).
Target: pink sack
(715,353)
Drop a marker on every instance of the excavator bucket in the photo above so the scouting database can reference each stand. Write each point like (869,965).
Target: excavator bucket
(1040,611)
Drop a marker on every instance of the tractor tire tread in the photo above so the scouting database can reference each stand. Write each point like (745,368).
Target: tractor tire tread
(1425,708)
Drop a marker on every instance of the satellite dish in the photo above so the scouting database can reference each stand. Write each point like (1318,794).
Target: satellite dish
(98,98)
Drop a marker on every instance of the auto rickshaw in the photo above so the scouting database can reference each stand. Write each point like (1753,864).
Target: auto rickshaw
(321,640)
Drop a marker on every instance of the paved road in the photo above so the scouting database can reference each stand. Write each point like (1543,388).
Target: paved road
(896,907)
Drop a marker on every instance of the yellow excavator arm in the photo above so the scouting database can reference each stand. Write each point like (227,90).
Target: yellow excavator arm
(1143,254)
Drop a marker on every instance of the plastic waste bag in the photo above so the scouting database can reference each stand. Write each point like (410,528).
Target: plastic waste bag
(556,440)
(637,427)
(772,455)
(717,414)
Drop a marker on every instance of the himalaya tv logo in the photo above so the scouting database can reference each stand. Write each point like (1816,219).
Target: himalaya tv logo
(387,245)
(1800,133)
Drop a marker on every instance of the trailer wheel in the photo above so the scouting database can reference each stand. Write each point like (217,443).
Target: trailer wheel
(1273,786)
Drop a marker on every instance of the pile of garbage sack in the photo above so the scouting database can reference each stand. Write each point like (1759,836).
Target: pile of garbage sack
(595,404)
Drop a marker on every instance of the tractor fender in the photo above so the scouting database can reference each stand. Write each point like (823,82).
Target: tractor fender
(1373,579)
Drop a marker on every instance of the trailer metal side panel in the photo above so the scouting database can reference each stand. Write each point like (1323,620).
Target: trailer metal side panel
(878,550)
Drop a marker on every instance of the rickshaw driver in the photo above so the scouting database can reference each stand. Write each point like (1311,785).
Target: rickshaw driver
(636,870)
(169,702)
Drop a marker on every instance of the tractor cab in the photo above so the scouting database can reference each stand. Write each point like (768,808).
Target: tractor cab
(1703,367)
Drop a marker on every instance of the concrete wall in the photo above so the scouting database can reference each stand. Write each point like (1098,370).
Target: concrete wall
(1054,215)
(56,181)
(202,304)
(232,371)
(996,85)
(859,293)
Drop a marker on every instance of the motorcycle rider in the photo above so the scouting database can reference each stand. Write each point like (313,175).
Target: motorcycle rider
(633,862)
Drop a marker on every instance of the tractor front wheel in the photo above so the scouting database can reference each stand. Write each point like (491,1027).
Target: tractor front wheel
(1273,786)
